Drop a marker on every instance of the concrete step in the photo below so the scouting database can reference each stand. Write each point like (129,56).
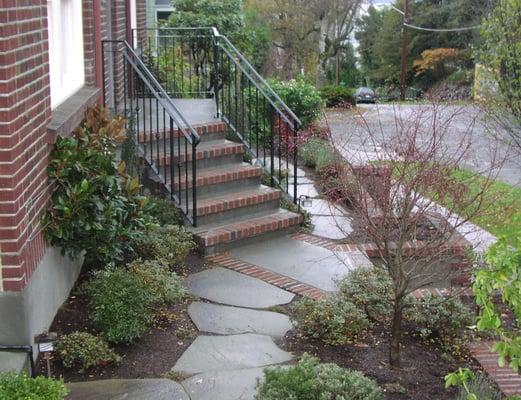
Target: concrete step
(208,154)
(223,237)
(13,361)
(216,181)
(236,204)
(208,132)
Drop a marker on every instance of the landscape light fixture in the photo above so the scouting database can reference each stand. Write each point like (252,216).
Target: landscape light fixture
(304,201)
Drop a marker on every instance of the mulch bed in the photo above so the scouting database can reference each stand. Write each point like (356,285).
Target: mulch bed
(423,365)
(149,357)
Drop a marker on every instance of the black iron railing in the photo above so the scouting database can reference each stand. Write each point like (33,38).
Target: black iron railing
(163,137)
(201,63)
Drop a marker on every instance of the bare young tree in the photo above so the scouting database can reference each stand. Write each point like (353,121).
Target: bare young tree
(393,176)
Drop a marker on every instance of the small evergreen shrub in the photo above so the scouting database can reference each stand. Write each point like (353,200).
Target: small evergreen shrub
(311,380)
(169,244)
(444,317)
(15,386)
(317,154)
(482,387)
(95,206)
(335,95)
(164,210)
(123,300)
(332,320)
(83,350)
(301,97)
(371,290)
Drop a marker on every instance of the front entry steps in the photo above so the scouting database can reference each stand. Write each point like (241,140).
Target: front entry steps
(233,207)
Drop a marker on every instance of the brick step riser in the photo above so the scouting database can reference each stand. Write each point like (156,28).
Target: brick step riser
(213,162)
(205,138)
(220,188)
(222,247)
(229,216)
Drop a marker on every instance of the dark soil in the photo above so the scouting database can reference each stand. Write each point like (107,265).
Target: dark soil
(421,376)
(149,357)
(425,231)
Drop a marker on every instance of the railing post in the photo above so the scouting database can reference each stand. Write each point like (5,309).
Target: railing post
(104,89)
(272,144)
(194,182)
(295,159)
(216,73)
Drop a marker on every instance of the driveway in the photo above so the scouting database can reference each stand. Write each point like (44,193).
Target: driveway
(350,129)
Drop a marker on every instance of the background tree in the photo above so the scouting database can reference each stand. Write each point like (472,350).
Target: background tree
(379,35)
(501,54)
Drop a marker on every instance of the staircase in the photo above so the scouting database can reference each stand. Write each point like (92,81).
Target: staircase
(233,207)
(197,107)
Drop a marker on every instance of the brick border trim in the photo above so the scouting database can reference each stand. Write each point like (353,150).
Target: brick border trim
(281,281)
(507,380)
(457,248)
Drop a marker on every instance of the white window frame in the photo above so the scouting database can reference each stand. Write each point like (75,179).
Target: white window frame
(133,21)
(66,53)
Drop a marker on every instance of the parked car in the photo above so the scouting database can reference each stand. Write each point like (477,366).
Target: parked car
(365,95)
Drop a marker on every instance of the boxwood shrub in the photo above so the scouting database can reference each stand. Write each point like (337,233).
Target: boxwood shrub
(335,95)
(123,300)
(15,386)
(311,380)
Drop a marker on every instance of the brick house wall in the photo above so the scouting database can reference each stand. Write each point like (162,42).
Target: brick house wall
(28,128)
(24,115)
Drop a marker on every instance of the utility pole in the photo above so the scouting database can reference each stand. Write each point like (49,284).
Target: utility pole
(405,45)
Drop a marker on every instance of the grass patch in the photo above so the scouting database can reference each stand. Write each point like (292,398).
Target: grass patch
(501,202)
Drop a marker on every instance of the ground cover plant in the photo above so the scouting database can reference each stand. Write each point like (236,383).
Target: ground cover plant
(15,386)
(83,350)
(311,380)
(123,300)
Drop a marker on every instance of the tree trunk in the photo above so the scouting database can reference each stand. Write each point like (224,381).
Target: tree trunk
(396,336)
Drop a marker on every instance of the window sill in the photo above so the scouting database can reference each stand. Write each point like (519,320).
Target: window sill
(67,116)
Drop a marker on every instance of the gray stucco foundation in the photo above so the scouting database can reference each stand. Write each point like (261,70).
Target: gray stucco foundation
(31,311)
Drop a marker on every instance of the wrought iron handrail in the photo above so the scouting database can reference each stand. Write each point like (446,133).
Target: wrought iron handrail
(166,141)
(244,99)
(156,88)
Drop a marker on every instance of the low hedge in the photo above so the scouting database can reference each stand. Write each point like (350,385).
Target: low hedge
(336,95)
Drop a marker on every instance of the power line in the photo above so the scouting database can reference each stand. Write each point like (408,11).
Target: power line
(468,28)
(420,28)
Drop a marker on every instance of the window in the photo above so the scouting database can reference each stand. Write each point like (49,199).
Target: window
(133,22)
(66,66)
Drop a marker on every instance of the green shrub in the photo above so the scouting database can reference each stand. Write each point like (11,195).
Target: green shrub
(95,206)
(311,380)
(164,210)
(301,97)
(169,244)
(83,350)
(434,315)
(461,77)
(371,290)
(123,300)
(317,154)
(335,95)
(332,320)
(15,386)
(482,387)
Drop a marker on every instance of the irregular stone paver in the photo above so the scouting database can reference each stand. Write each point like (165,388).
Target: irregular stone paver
(232,288)
(127,389)
(331,227)
(299,260)
(226,320)
(221,353)
(354,259)
(225,385)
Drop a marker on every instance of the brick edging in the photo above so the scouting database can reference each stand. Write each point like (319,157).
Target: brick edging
(291,285)
(508,381)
